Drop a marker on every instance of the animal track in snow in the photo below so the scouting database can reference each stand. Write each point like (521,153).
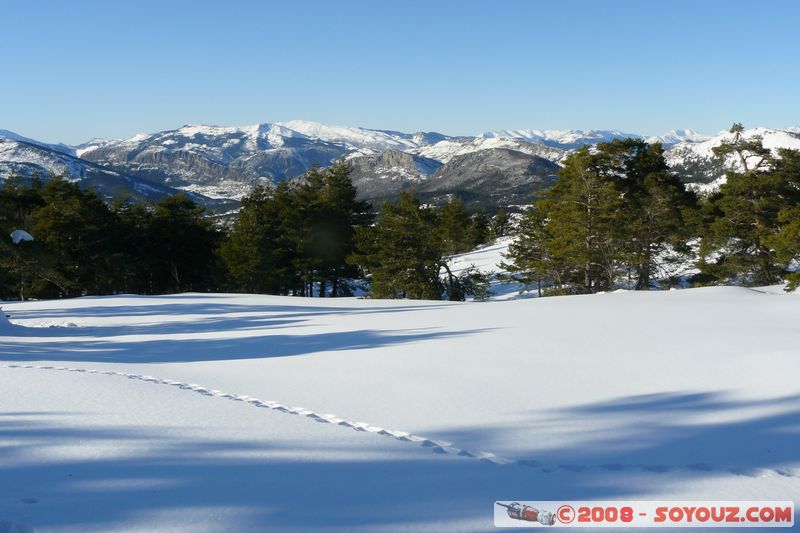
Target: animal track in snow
(437,446)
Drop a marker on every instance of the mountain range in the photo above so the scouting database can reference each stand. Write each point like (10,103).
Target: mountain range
(218,165)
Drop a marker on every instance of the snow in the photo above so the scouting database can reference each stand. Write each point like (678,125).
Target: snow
(772,139)
(707,188)
(673,137)
(564,139)
(488,259)
(447,149)
(5,325)
(19,235)
(16,155)
(198,412)
(353,137)
(10,135)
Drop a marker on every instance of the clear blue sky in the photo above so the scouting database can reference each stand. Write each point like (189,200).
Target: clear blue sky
(74,70)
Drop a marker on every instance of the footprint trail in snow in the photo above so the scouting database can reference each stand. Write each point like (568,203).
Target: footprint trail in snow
(438,446)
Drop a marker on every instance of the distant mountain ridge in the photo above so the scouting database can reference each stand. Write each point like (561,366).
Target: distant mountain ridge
(31,159)
(221,163)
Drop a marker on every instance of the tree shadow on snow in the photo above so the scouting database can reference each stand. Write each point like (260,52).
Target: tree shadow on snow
(703,432)
(189,332)
(167,350)
(265,491)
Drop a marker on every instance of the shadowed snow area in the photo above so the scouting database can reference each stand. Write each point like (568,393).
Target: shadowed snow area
(222,412)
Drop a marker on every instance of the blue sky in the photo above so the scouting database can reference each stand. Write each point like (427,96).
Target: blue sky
(75,70)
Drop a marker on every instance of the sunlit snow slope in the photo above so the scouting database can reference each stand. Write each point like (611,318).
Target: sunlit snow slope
(259,413)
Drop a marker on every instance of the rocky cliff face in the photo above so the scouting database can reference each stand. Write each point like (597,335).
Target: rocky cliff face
(386,174)
(493,177)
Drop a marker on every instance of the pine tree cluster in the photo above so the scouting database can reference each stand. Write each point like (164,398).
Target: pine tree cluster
(618,217)
(84,246)
(309,237)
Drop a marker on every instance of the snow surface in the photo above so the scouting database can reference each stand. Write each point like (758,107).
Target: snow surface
(673,137)
(353,137)
(564,139)
(16,154)
(445,150)
(10,135)
(220,412)
(20,235)
(488,259)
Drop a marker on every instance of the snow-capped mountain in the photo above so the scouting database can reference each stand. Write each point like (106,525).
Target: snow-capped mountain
(10,135)
(447,149)
(30,159)
(673,137)
(219,162)
(364,140)
(695,161)
(227,162)
(563,140)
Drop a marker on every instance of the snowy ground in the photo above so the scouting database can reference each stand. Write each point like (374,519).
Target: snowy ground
(488,259)
(250,413)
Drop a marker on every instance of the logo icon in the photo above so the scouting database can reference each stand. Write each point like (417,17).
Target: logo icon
(565,514)
(527,513)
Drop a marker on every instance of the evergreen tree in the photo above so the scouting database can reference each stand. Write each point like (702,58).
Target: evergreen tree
(473,281)
(748,209)
(182,243)
(500,225)
(294,236)
(402,252)
(615,209)
(528,260)
(786,240)
(583,213)
(133,264)
(457,229)
(78,227)
(258,253)
(336,215)
(478,231)
(656,208)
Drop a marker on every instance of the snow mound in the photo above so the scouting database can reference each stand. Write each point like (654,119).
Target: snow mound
(20,235)
(5,325)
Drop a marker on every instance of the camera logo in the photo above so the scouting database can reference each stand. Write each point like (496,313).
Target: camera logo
(527,513)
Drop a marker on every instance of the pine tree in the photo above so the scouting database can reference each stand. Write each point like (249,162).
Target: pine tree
(748,209)
(294,236)
(583,219)
(257,252)
(478,231)
(78,227)
(656,208)
(133,263)
(182,241)
(786,240)
(402,252)
(338,215)
(528,260)
(457,229)
(500,225)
